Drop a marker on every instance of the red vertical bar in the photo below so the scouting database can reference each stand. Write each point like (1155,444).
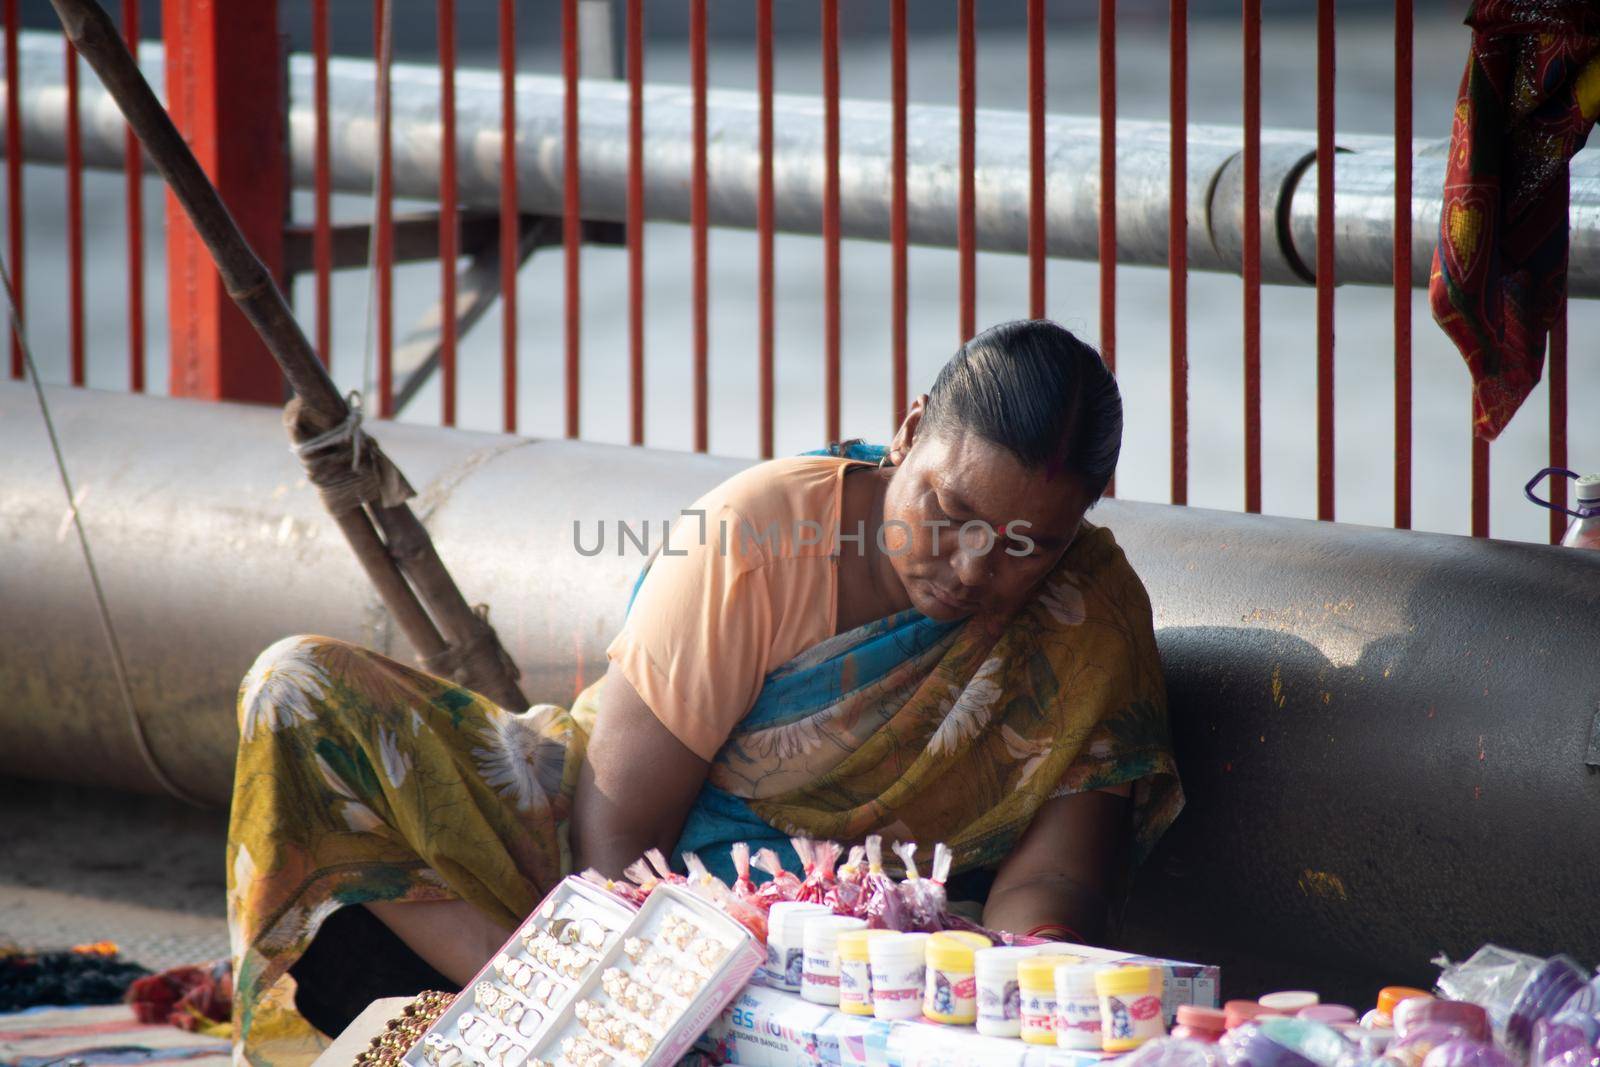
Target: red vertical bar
(1558,421)
(1252,256)
(226,99)
(697,222)
(764,206)
(448,228)
(571,206)
(967,220)
(14,172)
(1178,247)
(1036,102)
(74,222)
(1108,191)
(830,211)
(635,31)
(133,175)
(1480,483)
(509,223)
(322,195)
(1325,82)
(1402,264)
(899,301)
(385,221)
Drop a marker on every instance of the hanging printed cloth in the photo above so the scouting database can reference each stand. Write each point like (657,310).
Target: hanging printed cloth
(1528,98)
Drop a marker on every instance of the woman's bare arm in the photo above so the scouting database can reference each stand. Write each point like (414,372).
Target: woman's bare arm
(1062,869)
(636,785)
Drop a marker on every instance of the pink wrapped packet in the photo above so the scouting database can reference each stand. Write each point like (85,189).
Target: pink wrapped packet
(663,869)
(643,878)
(923,911)
(938,899)
(849,889)
(743,887)
(783,885)
(883,908)
(625,890)
(819,884)
(707,886)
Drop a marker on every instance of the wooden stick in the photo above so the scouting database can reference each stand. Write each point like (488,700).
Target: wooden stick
(469,650)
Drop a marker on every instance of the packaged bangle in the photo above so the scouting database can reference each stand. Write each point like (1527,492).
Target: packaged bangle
(781,883)
(819,858)
(743,886)
(849,888)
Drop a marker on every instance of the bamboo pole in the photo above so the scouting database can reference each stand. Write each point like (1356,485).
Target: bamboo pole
(404,567)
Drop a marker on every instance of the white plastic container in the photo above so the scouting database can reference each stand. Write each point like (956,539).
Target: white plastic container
(999,1001)
(1077,1006)
(1290,1001)
(786,924)
(899,971)
(819,975)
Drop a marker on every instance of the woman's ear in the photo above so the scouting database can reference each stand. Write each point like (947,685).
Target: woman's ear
(906,435)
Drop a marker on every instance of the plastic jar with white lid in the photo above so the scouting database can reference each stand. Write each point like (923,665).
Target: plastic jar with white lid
(951,993)
(786,942)
(899,971)
(1077,1006)
(855,970)
(999,998)
(819,976)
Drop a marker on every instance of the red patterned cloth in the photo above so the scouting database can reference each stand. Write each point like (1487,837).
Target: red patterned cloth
(1528,98)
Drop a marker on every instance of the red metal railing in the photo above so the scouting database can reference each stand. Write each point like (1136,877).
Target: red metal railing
(513,229)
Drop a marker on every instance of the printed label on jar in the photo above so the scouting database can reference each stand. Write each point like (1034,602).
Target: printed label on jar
(1117,1019)
(1081,1015)
(1002,1004)
(854,984)
(1038,1012)
(793,966)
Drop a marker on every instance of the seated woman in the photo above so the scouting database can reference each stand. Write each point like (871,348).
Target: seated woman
(927,642)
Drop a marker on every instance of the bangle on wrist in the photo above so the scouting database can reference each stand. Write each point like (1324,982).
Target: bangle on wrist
(1055,932)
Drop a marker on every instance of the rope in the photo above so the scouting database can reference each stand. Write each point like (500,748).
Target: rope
(347,467)
(119,666)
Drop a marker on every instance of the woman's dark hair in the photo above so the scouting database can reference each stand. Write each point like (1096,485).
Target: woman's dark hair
(1034,389)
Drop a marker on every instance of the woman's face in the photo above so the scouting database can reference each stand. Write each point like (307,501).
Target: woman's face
(959,514)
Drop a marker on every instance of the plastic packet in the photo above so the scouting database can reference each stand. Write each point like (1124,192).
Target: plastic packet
(663,869)
(1555,981)
(849,887)
(883,908)
(640,874)
(702,883)
(1554,1039)
(1172,1052)
(781,884)
(1465,1052)
(1491,977)
(1412,1049)
(626,890)
(923,907)
(820,858)
(743,887)
(942,860)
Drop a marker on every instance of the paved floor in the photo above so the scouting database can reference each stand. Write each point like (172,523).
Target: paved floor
(80,865)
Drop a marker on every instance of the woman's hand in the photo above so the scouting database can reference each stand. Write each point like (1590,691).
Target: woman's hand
(1062,869)
(636,785)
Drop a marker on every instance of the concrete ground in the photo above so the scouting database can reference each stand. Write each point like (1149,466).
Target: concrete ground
(80,865)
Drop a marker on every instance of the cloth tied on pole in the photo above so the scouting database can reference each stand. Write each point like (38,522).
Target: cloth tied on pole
(347,467)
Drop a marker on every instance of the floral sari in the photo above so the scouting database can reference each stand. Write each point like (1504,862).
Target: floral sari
(362,779)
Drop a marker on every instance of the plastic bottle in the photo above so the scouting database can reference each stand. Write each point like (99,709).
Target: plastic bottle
(951,993)
(1036,984)
(1130,1007)
(898,974)
(1078,1023)
(855,972)
(1418,1012)
(1289,1002)
(999,996)
(1585,532)
(786,924)
(1239,1012)
(1328,1014)
(819,978)
(1382,1017)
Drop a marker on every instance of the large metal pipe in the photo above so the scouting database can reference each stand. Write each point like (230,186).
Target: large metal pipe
(1385,736)
(1364,170)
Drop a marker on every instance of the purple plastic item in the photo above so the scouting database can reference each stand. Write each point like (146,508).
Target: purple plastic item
(1247,1046)
(1553,1039)
(1418,1012)
(1171,1052)
(1556,981)
(1412,1049)
(1464,1052)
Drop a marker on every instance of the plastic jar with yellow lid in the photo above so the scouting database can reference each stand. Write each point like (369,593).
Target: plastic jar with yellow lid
(1036,984)
(855,971)
(1130,1007)
(951,994)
